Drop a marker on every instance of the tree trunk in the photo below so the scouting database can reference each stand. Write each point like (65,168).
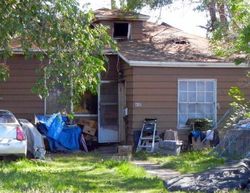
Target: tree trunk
(212,12)
(222,14)
(113,4)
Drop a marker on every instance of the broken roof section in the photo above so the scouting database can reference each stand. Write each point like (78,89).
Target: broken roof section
(117,14)
(164,43)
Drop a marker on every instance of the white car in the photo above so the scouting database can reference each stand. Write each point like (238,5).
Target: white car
(13,140)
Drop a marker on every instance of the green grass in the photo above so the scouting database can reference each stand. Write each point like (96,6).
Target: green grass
(189,162)
(75,173)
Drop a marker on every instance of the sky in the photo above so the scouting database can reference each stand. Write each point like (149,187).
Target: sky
(180,15)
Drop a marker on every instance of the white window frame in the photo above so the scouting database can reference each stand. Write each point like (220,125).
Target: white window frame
(215,97)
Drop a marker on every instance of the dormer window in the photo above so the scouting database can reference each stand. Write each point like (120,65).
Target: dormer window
(121,30)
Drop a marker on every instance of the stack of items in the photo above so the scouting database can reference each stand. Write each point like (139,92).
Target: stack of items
(89,130)
(170,145)
(61,136)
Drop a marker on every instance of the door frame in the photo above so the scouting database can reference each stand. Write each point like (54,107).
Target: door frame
(122,113)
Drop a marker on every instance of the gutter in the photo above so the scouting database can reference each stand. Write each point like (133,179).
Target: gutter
(167,64)
(174,64)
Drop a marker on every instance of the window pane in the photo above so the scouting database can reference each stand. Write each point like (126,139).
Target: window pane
(201,109)
(191,108)
(183,96)
(192,97)
(209,86)
(183,86)
(209,108)
(6,117)
(183,108)
(209,97)
(192,86)
(198,115)
(55,102)
(182,119)
(191,115)
(201,86)
(200,97)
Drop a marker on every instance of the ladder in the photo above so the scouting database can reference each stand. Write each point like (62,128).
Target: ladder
(148,136)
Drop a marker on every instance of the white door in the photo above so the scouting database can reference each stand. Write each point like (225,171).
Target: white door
(108,112)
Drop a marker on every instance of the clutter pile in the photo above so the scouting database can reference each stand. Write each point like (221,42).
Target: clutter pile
(226,178)
(243,124)
(36,147)
(89,132)
(235,143)
(204,139)
(202,135)
(61,135)
(170,145)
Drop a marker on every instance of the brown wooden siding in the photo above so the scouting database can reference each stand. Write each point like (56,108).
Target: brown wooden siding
(16,92)
(156,88)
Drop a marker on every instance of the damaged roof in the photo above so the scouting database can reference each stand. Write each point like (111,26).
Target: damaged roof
(108,14)
(169,44)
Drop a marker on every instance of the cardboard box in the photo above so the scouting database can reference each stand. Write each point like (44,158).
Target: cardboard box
(89,130)
(124,149)
(90,137)
(88,123)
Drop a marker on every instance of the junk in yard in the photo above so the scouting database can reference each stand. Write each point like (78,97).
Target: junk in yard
(90,126)
(148,136)
(150,141)
(89,132)
(202,134)
(36,147)
(232,177)
(60,135)
(235,143)
(170,145)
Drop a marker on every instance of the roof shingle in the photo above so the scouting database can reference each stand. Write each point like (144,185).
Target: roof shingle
(166,43)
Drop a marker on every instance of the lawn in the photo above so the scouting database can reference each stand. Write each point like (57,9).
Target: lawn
(75,173)
(78,173)
(189,162)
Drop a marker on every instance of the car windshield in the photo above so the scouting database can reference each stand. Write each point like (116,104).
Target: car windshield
(6,117)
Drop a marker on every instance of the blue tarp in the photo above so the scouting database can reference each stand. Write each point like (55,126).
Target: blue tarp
(61,137)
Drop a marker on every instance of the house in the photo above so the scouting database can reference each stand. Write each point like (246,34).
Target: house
(159,72)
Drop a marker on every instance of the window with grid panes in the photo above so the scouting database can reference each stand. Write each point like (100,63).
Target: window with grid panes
(196,99)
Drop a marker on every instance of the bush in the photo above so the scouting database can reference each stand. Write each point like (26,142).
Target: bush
(201,124)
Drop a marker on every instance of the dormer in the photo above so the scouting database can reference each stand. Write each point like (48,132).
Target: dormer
(122,25)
